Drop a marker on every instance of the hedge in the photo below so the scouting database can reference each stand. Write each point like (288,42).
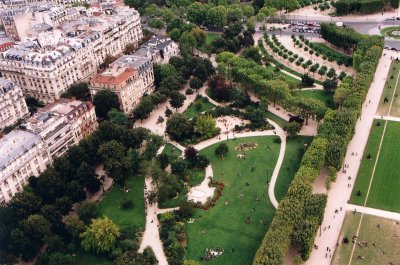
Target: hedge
(346,38)
(300,213)
(344,7)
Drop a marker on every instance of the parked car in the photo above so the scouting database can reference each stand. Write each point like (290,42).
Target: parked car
(388,48)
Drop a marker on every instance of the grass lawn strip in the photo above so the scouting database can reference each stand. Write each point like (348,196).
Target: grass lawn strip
(365,171)
(324,96)
(384,237)
(387,93)
(384,193)
(325,50)
(388,32)
(223,225)
(293,155)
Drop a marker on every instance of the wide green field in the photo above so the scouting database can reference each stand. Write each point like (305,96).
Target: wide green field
(291,164)
(223,225)
(387,93)
(326,50)
(384,193)
(384,237)
(324,96)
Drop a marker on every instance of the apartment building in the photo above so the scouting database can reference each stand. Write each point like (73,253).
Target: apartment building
(159,49)
(130,77)
(30,149)
(12,103)
(47,64)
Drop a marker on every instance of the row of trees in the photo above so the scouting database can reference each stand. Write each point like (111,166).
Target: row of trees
(35,216)
(344,7)
(300,212)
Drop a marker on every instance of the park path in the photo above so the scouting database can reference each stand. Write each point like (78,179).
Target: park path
(387,118)
(151,235)
(340,192)
(373,211)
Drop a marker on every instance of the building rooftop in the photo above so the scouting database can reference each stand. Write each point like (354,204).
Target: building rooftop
(114,76)
(63,106)
(15,143)
(158,42)
(5,86)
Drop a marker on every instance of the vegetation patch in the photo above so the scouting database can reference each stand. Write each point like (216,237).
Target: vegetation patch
(246,146)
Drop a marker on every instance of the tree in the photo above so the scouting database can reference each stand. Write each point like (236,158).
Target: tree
(87,211)
(293,128)
(100,236)
(220,88)
(175,34)
(179,127)
(187,42)
(190,262)
(36,228)
(130,48)
(330,84)
(156,23)
(104,101)
(191,154)
(177,100)
(115,164)
(206,126)
(179,167)
(109,59)
(276,91)
(118,117)
(200,35)
(24,204)
(221,150)
(78,90)
(160,120)
(307,81)
(252,53)
(196,83)
(216,16)
(88,178)
(143,110)
(74,226)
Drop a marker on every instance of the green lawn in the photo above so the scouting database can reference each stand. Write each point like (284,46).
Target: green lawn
(193,111)
(172,150)
(387,93)
(207,47)
(324,96)
(291,163)
(110,207)
(196,177)
(325,50)
(365,171)
(388,32)
(384,193)
(225,225)
(384,237)
(281,122)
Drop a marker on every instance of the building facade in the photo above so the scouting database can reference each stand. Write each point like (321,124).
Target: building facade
(49,62)
(30,149)
(12,103)
(130,77)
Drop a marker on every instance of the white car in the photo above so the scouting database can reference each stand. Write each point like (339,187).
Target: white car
(388,48)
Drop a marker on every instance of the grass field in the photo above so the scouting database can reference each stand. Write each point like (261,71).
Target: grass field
(207,47)
(193,111)
(110,207)
(384,237)
(388,93)
(171,150)
(384,193)
(324,96)
(326,50)
(291,163)
(225,226)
